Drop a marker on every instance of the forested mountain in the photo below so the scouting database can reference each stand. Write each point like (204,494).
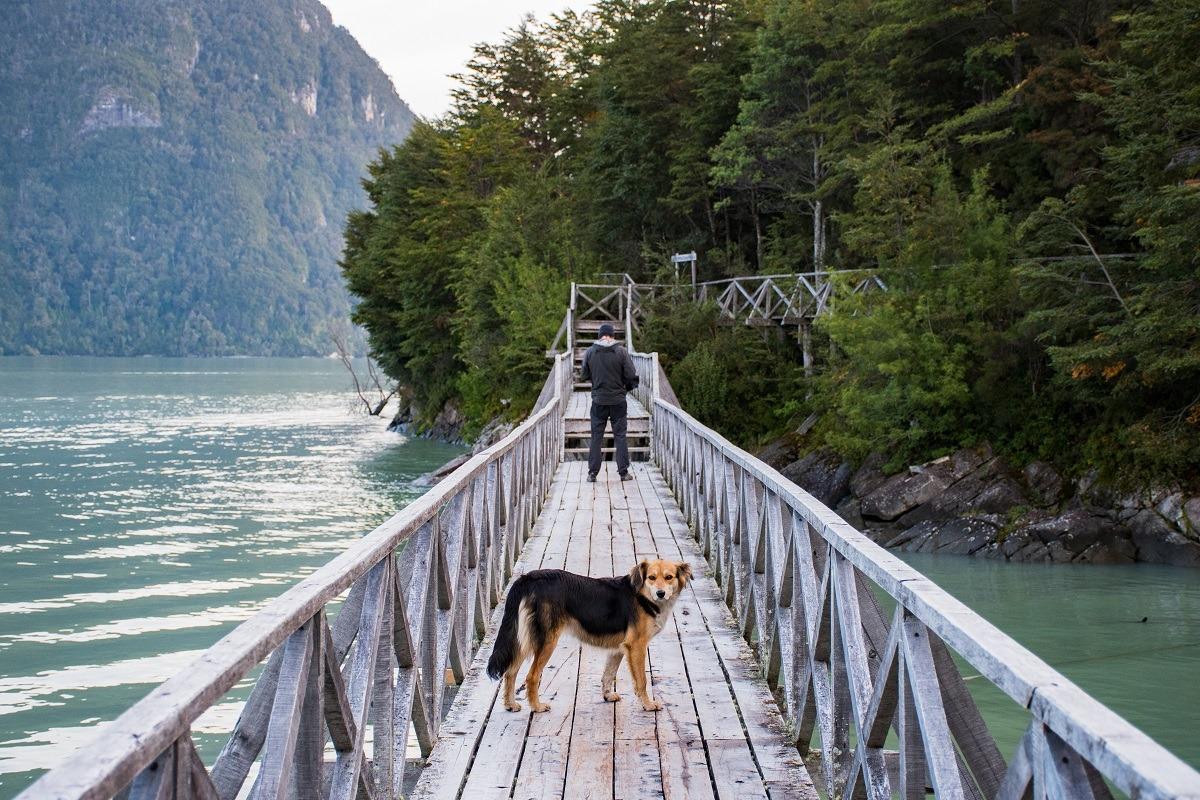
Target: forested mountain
(174,174)
(1026,176)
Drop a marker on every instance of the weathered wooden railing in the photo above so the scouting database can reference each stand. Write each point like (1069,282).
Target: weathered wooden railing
(422,589)
(793,299)
(806,588)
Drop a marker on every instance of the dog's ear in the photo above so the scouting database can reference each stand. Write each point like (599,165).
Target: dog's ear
(637,575)
(684,571)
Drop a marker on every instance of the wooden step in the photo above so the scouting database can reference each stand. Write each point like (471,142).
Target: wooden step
(594,324)
(581,453)
(582,427)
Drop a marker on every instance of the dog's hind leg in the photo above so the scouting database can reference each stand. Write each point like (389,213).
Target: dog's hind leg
(533,680)
(609,679)
(510,683)
(524,646)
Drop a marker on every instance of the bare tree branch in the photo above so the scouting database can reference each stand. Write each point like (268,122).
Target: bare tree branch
(1087,241)
(385,390)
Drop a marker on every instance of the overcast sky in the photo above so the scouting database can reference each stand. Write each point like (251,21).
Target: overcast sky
(419,44)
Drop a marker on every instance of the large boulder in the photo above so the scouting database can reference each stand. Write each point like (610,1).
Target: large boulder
(1114,550)
(823,474)
(1191,516)
(778,453)
(868,476)
(988,489)
(964,536)
(448,424)
(1000,496)
(901,493)
(1044,483)
(1158,543)
(402,422)
(1074,531)
(1172,507)
(494,431)
(913,539)
(851,511)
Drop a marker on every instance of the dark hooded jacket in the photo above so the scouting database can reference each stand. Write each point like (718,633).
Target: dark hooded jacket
(610,369)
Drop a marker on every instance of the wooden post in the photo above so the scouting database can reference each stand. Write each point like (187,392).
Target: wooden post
(806,347)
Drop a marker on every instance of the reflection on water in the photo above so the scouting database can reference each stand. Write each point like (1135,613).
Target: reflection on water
(149,505)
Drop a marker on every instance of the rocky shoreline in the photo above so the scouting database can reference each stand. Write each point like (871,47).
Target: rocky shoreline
(448,427)
(974,503)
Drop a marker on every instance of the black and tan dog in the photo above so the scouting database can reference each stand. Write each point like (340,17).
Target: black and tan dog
(618,614)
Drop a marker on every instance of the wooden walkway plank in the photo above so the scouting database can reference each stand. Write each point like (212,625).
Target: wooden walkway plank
(543,767)
(503,743)
(780,766)
(590,761)
(731,759)
(682,757)
(460,736)
(637,772)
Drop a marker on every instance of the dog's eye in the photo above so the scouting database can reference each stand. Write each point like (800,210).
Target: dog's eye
(669,577)
(653,577)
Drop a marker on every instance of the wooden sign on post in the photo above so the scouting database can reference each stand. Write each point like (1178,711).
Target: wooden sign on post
(684,258)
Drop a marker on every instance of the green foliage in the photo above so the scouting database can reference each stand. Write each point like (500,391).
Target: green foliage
(163,187)
(985,161)
(1124,335)
(732,377)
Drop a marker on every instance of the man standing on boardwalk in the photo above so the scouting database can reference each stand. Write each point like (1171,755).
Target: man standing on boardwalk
(610,369)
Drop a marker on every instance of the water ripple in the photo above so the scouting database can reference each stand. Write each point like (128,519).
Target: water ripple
(154,504)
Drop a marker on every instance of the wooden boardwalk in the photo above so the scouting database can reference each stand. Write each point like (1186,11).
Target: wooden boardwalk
(719,735)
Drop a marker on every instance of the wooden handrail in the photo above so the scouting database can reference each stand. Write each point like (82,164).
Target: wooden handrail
(413,617)
(800,580)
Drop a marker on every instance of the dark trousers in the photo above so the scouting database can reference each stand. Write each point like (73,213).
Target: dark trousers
(601,415)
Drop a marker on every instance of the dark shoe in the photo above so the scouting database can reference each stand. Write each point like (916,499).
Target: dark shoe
(625,476)
(591,477)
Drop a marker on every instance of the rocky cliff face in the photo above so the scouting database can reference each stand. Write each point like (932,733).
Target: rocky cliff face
(974,503)
(174,174)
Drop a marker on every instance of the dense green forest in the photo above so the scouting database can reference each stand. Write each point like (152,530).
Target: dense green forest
(174,174)
(1025,176)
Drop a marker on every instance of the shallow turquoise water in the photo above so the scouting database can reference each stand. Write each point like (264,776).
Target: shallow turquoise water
(1085,621)
(149,505)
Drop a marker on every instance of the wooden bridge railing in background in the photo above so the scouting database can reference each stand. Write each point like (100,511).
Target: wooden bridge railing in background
(806,588)
(794,299)
(380,661)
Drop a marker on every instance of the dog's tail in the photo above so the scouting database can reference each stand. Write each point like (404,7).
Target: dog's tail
(507,648)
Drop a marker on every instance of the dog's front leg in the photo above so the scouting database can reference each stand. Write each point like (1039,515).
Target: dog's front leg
(609,679)
(637,670)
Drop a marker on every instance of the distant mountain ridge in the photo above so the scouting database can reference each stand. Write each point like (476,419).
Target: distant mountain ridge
(174,174)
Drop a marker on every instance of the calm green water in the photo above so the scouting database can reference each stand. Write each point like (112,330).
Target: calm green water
(149,505)
(1085,621)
